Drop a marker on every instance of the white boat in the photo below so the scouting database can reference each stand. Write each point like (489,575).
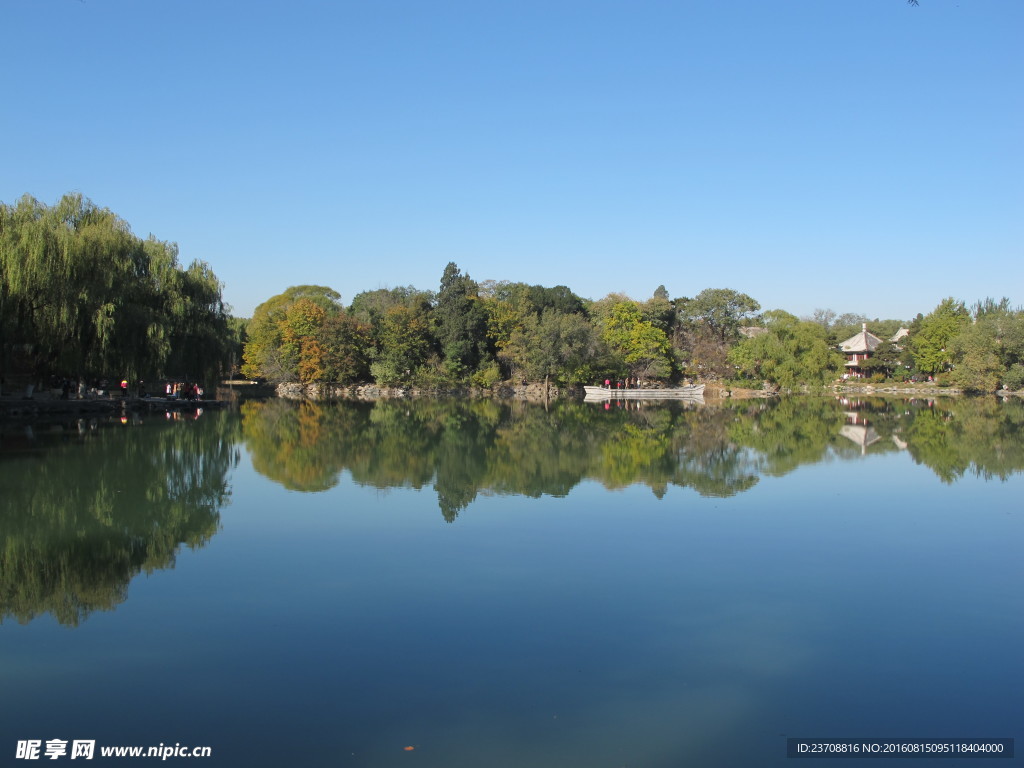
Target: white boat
(676,393)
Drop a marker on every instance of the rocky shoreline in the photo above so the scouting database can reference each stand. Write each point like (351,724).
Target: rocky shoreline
(12,407)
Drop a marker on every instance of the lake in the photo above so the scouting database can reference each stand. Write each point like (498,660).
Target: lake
(481,583)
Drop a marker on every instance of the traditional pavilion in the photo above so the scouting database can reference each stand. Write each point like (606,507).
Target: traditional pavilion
(857,349)
(860,347)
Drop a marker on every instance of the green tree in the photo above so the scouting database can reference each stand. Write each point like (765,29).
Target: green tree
(986,350)
(237,328)
(403,345)
(638,346)
(301,340)
(822,317)
(659,311)
(305,335)
(553,344)
(889,360)
(347,347)
(706,328)
(59,267)
(460,322)
(200,336)
(559,299)
(508,306)
(370,306)
(720,310)
(516,311)
(792,352)
(268,354)
(930,341)
(81,295)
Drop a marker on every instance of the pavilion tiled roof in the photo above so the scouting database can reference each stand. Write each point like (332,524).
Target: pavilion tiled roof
(865,341)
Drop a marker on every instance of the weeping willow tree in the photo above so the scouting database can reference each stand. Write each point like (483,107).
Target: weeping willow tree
(80,295)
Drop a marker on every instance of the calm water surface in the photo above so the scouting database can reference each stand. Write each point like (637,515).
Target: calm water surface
(504,585)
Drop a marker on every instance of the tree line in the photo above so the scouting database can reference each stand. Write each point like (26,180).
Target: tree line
(482,333)
(83,297)
(485,332)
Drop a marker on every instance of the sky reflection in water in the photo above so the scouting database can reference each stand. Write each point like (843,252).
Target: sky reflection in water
(662,588)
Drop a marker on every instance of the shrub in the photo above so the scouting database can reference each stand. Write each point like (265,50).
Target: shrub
(1014,378)
(433,374)
(487,376)
(384,373)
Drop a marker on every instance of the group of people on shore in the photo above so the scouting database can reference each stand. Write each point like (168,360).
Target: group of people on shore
(80,389)
(184,390)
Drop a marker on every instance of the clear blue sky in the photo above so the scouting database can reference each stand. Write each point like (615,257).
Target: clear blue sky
(858,155)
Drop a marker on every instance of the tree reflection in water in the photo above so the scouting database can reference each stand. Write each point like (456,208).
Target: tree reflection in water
(462,448)
(85,515)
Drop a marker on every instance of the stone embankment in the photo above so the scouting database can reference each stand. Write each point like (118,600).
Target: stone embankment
(718,390)
(506,391)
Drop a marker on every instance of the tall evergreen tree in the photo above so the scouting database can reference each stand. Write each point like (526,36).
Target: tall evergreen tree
(461,322)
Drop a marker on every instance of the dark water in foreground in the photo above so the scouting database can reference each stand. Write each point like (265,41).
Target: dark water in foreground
(500,585)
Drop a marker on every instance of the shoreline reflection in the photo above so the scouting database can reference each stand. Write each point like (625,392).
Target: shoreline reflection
(462,449)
